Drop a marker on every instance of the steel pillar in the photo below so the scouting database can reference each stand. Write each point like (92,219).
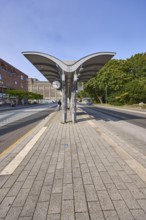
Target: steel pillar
(64,99)
(73,98)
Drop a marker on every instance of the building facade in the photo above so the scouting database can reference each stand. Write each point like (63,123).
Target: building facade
(11,78)
(44,88)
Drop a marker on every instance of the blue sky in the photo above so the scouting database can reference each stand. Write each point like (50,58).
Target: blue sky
(70,29)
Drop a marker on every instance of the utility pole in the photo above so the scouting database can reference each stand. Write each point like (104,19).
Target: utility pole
(106,93)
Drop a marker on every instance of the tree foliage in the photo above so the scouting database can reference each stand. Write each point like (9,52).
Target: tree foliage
(19,94)
(120,81)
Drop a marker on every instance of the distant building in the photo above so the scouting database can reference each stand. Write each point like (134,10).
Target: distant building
(11,78)
(44,88)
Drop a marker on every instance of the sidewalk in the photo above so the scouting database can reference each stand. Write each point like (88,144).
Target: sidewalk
(70,171)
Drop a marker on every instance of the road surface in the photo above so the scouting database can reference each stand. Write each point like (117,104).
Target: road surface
(16,123)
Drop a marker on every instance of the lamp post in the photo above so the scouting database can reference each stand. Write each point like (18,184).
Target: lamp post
(106,93)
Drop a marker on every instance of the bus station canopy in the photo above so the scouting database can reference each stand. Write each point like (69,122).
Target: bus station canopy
(81,70)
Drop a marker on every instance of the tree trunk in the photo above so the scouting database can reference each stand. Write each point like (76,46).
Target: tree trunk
(100,99)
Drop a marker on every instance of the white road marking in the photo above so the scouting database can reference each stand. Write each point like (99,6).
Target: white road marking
(9,169)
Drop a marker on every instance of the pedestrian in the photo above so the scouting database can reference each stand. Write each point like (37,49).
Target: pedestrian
(59,104)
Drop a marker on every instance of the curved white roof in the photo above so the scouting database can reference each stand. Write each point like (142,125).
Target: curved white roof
(52,68)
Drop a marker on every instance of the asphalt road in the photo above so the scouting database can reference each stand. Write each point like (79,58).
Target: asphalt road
(14,129)
(128,127)
(135,118)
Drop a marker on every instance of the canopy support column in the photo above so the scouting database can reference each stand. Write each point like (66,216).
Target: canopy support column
(64,99)
(73,97)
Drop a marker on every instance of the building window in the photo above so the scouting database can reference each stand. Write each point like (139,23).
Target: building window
(0,76)
(15,82)
(21,77)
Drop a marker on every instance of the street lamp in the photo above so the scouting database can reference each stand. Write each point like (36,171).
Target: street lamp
(106,94)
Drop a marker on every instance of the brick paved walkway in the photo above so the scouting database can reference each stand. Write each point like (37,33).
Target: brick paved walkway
(71,172)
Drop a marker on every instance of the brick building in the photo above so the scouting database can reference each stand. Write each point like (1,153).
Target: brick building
(11,78)
(44,88)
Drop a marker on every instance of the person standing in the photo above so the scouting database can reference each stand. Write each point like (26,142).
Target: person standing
(59,104)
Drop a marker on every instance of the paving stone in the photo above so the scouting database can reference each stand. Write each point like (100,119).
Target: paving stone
(122,210)
(3,180)
(35,168)
(90,193)
(25,218)
(55,204)
(57,186)
(90,164)
(118,182)
(94,171)
(135,191)
(15,189)
(87,178)
(127,169)
(21,197)
(105,200)
(60,165)
(18,170)
(138,214)
(94,207)
(13,213)
(45,194)
(59,174)
(111,171)
(84,168)
(78,184)
(36,188)
(111,215)
(129,199)
(138,182)
(9,183)
(53,217)
(100,167)
(67,210)
(117,167)
(67,192)
(3,193)
(105,177)
(53,160)
(82,216)
(114,194)
(5,206)
(68,169)
(98,183)
(51,168)
(105,162)
(67,178)
(49,179)
(142,203)
(41,211)
(110,186)
(143,190)
(28,182)
(97,216)
(23,175)
(76,172)
(41,175)
(125,177)
(29,207)
(31,163)
(80,202)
